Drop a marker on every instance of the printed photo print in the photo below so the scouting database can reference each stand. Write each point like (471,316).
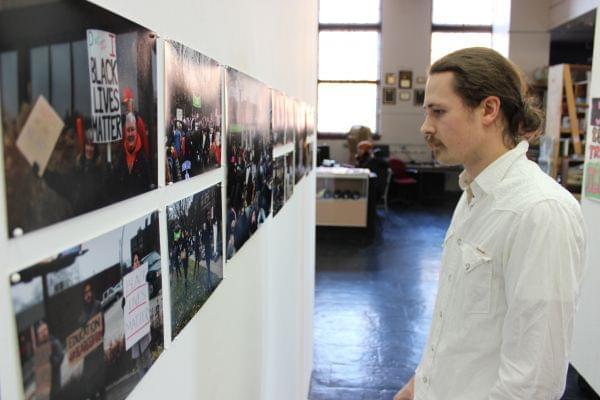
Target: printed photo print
(195,253)
(300,144)
(193,112)
(290,120)
(289,175)
(283,180)
(278,184)
(250,158)
(90,320)
(78,95)
(278,117)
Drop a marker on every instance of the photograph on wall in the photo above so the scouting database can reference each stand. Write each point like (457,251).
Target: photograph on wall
(90,320)
(310,134)
(300,146)
(290,120)
(78,110)
(195,253)
(192,111)
(278,117)
(250,158)
(278,183)
(289,175)
(592,166)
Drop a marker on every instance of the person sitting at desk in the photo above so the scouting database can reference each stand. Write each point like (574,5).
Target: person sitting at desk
(372,159)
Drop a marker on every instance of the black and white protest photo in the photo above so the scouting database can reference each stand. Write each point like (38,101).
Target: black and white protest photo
(289,175)
(78,110)
(195,253)
(250,158)
(193,112)
(278,184)
(90,319)
(300,141)
(278,117)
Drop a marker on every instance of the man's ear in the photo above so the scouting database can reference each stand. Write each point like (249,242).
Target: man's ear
(491,111)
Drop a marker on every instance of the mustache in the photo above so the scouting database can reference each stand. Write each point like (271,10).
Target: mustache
(432,141)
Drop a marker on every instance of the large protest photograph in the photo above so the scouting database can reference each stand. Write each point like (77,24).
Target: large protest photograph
(195,253)
(250,158)
(300,143)
(278,184)
(192,111)
(78,95)
(90,319)
(278,117)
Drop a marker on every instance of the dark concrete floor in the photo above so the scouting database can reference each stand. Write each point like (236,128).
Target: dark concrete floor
(373,304)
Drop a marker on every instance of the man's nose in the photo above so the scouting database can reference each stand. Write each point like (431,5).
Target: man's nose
(427,127)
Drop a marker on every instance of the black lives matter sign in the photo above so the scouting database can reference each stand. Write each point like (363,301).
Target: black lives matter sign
(104,86)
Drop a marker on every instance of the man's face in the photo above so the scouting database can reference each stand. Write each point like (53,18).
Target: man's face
(130,135)
(451,128)
(88,295)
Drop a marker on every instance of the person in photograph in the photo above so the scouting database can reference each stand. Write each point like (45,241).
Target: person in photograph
(132,170)
(207,246)
(140,351)
(514,252)
(92,379)
(140,125)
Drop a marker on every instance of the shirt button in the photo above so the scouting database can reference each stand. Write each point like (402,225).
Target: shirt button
(440,314)
(449,277)
(459,241)
(424,379)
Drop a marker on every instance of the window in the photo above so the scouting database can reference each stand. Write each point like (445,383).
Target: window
(453,28)
(348,76)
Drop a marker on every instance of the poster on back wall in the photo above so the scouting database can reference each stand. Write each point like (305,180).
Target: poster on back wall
(78,110)
(278,184)
(193,112)
(195,253)
(250,158)
(90,320)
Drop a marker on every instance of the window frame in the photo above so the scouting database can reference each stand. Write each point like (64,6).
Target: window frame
(350,27)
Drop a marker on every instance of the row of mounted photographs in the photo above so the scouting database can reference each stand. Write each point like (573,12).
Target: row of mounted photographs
(79,118)
(90,320)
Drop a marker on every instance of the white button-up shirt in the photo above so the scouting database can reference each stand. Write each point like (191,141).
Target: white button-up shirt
(508,287)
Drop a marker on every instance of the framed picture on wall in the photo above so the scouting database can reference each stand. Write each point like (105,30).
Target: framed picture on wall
(389,95)
(390,78)
(405,79)
(419,97)
(404,95)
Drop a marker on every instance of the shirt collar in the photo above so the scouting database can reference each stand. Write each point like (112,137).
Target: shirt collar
(493,173)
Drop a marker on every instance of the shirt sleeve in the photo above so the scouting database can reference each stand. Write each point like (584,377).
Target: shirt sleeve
(543,266)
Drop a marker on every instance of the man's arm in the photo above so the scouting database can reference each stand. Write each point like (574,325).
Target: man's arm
(543,265)
(407,392)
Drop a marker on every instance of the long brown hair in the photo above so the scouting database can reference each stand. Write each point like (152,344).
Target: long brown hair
(480,72)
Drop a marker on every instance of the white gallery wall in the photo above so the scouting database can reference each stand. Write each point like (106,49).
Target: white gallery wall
(586,337)
(252,339)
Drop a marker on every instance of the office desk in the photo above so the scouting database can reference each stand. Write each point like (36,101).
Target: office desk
(432,180)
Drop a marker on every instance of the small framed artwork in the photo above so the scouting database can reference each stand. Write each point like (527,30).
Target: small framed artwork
(389,95)
(404,95)
(405,79)
(419,97)
(390,78)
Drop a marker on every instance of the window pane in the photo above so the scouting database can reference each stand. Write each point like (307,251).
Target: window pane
(40,72)
(349,11)
(443,43)
(342,105)
(446,12)
(348,55)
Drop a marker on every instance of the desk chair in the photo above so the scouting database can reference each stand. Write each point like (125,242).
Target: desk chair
(401,178)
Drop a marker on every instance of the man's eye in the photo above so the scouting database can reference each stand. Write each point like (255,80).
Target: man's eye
(437,112)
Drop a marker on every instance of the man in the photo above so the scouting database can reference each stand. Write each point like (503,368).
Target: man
(514,252)
(92,380)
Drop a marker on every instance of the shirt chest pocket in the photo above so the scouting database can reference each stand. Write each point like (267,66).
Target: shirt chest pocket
(477,274)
